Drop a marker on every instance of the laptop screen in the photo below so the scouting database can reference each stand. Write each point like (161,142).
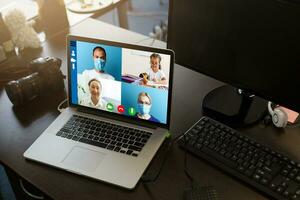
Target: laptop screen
(123,80)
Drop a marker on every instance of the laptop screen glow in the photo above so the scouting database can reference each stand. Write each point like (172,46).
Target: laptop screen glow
(125,81)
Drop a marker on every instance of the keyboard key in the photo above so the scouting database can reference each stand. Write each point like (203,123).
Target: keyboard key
(64,135)
(125,141)
(119,144)
(130,142)
(132,137)
(129,152)
(110,147)
(145,136)
(134,148)
(279,189)
(143,141)
(138,144)
(264,181)
(90,137)
(79,134)
(117,149)
(91,142)
(59,133)
(75,138)
(69,136)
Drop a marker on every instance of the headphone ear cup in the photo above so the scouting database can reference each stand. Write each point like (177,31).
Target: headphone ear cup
(279,118)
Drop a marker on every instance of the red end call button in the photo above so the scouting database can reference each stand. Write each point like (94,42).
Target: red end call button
(121,109)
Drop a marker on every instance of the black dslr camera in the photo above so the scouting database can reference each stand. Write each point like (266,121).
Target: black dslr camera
(46,77)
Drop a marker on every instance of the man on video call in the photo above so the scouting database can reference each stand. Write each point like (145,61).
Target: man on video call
(99,57)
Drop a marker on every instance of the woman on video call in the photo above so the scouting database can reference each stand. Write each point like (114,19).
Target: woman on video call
(144,107)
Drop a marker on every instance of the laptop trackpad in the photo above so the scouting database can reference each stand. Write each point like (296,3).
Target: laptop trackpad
(84,159)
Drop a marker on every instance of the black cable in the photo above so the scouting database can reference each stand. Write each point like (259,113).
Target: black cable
(186,163)
(146,179)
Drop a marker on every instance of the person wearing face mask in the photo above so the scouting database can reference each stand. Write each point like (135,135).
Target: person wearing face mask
(144,107)
(99,57)
(94,100)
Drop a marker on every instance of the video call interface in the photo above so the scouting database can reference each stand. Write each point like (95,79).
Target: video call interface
(125,81)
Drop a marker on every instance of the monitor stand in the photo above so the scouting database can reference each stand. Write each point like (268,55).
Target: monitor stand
(234,107)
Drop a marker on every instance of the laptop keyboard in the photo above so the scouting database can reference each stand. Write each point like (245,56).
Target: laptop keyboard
(106,135)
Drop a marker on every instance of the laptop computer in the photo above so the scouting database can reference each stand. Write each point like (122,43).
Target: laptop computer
(119,111)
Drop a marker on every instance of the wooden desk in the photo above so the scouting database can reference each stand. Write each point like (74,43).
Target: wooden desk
(20,127)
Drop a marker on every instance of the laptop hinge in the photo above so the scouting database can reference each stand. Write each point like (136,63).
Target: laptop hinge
(110,116)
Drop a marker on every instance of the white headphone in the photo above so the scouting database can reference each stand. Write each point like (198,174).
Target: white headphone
(279,116)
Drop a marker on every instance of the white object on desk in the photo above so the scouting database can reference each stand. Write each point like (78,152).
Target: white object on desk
(88,6)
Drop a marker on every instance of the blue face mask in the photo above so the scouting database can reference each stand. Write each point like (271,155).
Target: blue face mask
(99,64)
(144,108)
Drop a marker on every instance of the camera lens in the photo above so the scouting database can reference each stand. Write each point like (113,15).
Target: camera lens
(24,89)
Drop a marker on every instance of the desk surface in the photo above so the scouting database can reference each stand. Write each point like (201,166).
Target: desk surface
(20,127)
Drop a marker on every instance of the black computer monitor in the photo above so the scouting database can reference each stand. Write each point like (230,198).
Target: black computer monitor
(253,45)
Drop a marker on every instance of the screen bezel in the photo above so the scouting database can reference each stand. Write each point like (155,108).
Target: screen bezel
(245,87)
(112,114)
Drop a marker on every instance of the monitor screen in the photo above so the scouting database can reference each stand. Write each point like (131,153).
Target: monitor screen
(126,81)
(252,45)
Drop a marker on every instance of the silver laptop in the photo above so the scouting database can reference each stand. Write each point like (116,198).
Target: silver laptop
(118,114)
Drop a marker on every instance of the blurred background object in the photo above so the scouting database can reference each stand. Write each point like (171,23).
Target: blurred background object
(143,16)
(88,6)
(52,16)
(5,38)
(22,33)
(2,54)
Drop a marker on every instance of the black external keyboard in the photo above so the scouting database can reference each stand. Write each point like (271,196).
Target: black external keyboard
(267,170)
(106,135)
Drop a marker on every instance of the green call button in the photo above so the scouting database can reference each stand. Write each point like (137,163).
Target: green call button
(110,106)
(131,111)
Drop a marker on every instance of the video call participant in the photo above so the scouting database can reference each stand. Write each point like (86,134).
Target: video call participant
(144,107)
(155,74)
(99,57)
(94,100)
